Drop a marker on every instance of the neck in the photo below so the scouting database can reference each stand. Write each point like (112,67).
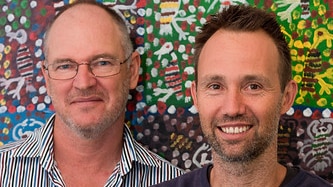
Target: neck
(77,156)
(262,171)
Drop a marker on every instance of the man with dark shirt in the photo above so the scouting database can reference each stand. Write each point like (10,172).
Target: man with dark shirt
(243,85)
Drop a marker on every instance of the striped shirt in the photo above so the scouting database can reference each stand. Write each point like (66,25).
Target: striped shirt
(30,163)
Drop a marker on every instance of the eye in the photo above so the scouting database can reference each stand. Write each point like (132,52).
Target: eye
(214,86)
(253,87)
(104,62)
(63,66)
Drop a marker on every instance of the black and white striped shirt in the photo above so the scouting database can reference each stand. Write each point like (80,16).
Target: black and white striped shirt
(30,163)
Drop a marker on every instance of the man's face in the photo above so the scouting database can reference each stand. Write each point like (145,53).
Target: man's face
(88,104)
(238,94)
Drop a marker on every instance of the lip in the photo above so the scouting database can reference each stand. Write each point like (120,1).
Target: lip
(89,99)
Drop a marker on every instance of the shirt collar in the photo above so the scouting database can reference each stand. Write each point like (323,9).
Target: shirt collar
(40,144)
(134,152)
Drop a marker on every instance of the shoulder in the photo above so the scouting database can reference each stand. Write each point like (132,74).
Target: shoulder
(31,146)
(305,178)
(138,159)
(140,164)
(197,177)
(153,161)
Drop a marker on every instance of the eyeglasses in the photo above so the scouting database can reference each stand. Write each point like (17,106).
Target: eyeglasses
(67,69)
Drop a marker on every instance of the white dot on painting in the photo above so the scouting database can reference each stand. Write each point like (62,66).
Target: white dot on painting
(327,113)
(8,28)
(174,162)
(175,153)
(42,90)
(140,31)
(33,4)
(141,12)
(47,99)
(172,109)
(3,109)
(156,138)
(185,156)
(2,47)
(188,164)
(34,100)
(156,126)
(307,112)
(192,8)
(38,53)
(10,17)
(154,72)
(4,8)
(41,106)
(20,109)
(23,19)
(291,111)
(181,48)
(39,42)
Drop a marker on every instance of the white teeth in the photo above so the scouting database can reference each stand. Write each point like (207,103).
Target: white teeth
(235,130)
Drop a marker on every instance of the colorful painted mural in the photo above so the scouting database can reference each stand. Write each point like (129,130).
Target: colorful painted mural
(160,112)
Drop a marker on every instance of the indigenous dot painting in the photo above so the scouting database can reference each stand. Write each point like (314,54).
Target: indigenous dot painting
(160,111)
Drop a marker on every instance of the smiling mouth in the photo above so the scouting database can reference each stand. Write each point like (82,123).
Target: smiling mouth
(235,130)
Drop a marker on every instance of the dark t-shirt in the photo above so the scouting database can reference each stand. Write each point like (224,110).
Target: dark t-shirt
(295,177)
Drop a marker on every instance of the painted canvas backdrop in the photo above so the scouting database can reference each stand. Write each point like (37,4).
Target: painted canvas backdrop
(160,112)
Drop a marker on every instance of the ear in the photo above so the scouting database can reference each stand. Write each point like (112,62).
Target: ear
(134,69)
(194,94)
(289,96)
(45,74)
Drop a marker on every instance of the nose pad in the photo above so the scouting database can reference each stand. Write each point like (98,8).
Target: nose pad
(87,65)
(84,77)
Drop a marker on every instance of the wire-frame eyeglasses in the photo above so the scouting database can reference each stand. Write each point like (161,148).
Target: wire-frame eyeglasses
(101,67)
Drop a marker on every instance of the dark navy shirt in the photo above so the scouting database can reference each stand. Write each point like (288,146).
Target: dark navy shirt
(295,177)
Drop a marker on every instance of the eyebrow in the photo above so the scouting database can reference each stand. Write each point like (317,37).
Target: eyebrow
(222,78)
(103,55)
(211,78)
(258,78)
(95,57)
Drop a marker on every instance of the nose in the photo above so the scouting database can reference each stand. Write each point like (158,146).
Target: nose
(84,77)
(233,103)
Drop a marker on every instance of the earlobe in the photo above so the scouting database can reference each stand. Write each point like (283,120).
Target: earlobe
(134,69)
(289,96)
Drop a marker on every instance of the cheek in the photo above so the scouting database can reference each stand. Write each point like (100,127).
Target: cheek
(57,90)
(207,111)
(268,115)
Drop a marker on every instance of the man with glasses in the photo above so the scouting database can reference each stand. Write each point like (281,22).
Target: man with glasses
(89,69)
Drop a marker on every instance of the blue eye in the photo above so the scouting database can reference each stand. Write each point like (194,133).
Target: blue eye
(104,62)
(64,66)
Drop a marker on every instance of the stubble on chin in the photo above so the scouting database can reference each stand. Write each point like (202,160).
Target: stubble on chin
(248,151)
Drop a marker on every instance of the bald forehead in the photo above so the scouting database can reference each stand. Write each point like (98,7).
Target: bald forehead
(84,13)
(82,25)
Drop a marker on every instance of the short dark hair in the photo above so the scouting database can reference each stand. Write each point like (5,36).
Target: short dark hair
(247,19)
(126,41)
